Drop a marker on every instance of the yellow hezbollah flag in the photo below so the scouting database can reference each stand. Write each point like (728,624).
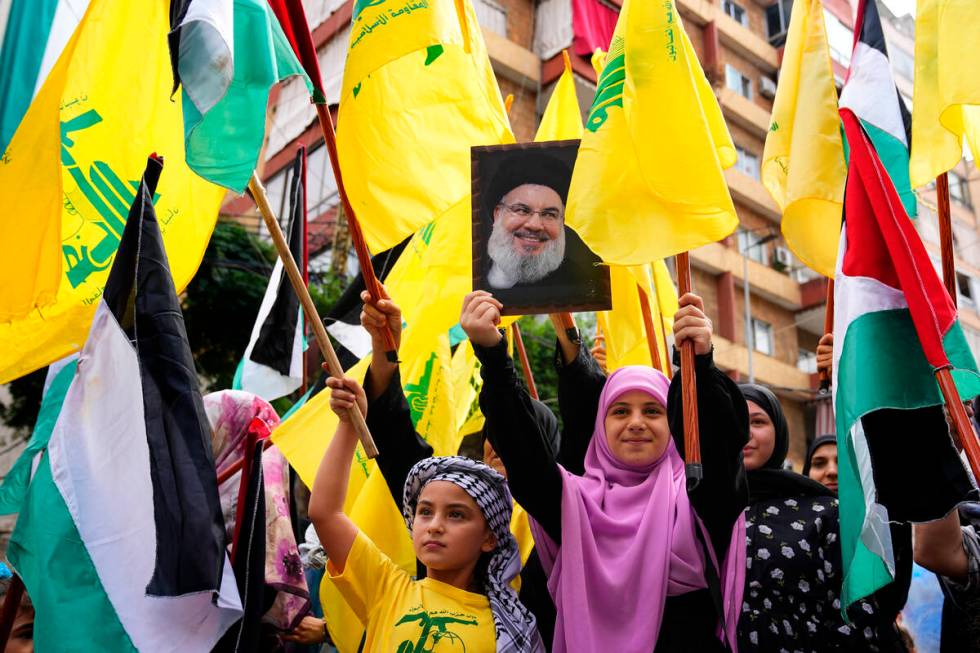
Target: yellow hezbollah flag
(623,327)
(70,174)
(562,119)
(418,91)
(803,161)
(466,390)
(655,144)
(947,89)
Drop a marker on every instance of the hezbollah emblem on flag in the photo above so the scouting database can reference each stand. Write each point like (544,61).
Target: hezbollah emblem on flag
(94,242)
(609,90)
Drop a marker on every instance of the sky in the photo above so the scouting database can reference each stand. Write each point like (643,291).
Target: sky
(901,7)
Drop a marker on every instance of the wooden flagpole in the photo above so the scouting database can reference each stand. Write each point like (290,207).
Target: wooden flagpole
(828,327)
(11,603)
(959,418)
(525,362)
(648,327)
(309,308)
(946,235)
(357,236)
(954,404)
(689,393)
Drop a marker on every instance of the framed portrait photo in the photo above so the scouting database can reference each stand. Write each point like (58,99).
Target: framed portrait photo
(523,253)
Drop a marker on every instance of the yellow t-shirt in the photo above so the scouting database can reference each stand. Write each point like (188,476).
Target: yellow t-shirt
(402,615)
(521,528)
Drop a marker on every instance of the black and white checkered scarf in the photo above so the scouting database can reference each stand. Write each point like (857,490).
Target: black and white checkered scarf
(514,624)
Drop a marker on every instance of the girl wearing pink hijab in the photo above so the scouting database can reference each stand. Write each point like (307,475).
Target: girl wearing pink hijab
(635,564)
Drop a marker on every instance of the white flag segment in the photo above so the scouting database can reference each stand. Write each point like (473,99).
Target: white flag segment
(263,380)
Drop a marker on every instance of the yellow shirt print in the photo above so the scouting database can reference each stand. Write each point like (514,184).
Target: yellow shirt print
(402,615)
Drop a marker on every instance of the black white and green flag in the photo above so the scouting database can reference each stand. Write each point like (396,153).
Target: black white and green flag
(120,538)
(273,363)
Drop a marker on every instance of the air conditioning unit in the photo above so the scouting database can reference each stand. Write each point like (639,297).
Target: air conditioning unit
(767,87)
(782,256)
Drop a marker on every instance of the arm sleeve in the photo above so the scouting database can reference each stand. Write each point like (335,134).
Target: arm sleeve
(723,426)
(961,593)
(579,385)
(399,446)
(368,576)
(517,437)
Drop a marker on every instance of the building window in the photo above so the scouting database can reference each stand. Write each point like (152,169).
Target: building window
(964,288)
(806,361)
(746,162)
(959,191)
(736,11)
(738,82)
(777,21)
(748,245)
(762,336)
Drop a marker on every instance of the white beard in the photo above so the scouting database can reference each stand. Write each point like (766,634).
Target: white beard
(511,267)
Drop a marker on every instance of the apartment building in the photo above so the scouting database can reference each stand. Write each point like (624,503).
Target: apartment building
(738,43)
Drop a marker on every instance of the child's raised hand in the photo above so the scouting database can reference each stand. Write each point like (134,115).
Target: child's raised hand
(343,393)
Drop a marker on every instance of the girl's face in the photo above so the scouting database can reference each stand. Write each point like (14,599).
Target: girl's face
(449,532)
(636,428)
(823,465)
(762,437)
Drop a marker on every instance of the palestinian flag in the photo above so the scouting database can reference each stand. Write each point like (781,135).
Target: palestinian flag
(870,92)
(273,362)
(894,326)
(226,55)
(120,538)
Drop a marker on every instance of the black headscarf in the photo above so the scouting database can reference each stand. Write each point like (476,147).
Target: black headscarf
(816,444)
(771,481)
(530,167)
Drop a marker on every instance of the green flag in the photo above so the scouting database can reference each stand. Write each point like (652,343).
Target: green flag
(226,72)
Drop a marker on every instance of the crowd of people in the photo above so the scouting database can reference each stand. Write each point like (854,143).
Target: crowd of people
(577,531)
(622,555)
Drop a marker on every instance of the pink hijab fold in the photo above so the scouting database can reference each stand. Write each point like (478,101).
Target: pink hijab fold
(628,541)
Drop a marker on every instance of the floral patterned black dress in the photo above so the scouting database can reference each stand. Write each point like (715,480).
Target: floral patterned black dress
(793,579)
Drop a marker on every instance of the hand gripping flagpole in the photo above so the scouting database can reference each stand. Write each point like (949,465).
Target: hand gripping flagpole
(828,327)
(689,393)
(309,309)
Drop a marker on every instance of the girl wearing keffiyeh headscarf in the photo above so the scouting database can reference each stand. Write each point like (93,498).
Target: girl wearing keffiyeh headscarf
(458,513)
